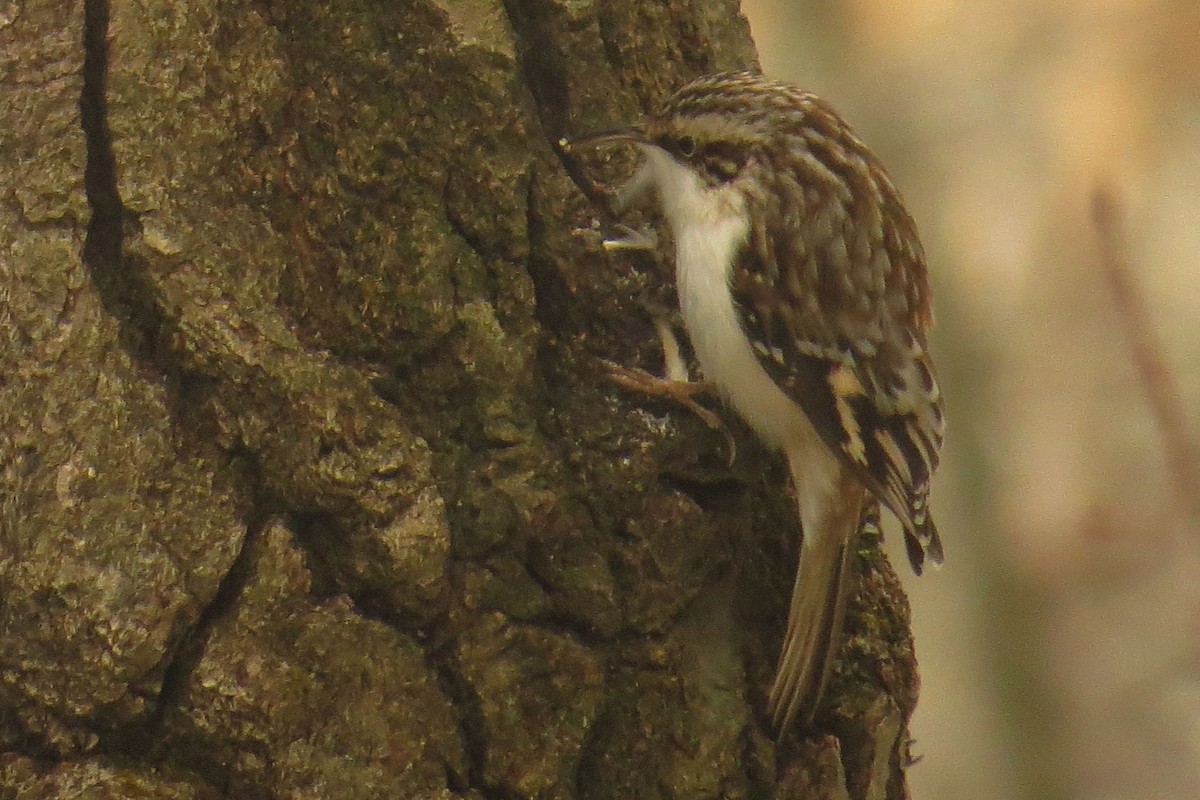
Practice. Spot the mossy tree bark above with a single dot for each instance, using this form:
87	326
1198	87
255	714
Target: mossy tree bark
312	484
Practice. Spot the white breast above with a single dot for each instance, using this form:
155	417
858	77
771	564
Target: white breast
710	226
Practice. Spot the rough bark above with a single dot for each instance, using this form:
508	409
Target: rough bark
312	486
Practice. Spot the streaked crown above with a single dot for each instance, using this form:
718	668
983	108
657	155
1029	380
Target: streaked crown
721	123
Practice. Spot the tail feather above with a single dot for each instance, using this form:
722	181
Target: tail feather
813	633
823	584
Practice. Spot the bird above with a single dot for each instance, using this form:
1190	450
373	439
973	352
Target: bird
804	293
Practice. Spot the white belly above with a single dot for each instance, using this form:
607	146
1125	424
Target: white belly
710	226
722	347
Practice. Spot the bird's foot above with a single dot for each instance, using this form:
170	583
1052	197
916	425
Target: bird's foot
682	392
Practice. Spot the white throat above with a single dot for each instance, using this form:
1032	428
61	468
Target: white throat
710	226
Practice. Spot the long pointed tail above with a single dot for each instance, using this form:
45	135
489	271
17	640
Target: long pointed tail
823	584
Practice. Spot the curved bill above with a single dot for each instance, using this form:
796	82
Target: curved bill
615	136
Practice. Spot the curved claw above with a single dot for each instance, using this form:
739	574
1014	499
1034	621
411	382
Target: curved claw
632	239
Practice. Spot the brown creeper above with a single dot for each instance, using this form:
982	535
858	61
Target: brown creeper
803	289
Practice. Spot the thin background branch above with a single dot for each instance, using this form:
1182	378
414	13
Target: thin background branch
1162	390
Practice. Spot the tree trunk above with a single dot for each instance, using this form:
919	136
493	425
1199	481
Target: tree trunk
312	483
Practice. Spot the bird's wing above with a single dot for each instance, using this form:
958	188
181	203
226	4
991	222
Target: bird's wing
837	309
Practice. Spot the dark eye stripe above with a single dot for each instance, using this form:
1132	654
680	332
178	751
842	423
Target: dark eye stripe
720	162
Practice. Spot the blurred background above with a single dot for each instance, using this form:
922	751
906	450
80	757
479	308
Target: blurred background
1060	645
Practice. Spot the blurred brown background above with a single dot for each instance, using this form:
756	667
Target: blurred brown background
1060	645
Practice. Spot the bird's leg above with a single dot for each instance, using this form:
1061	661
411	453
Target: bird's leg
629	193
676	385
635	189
